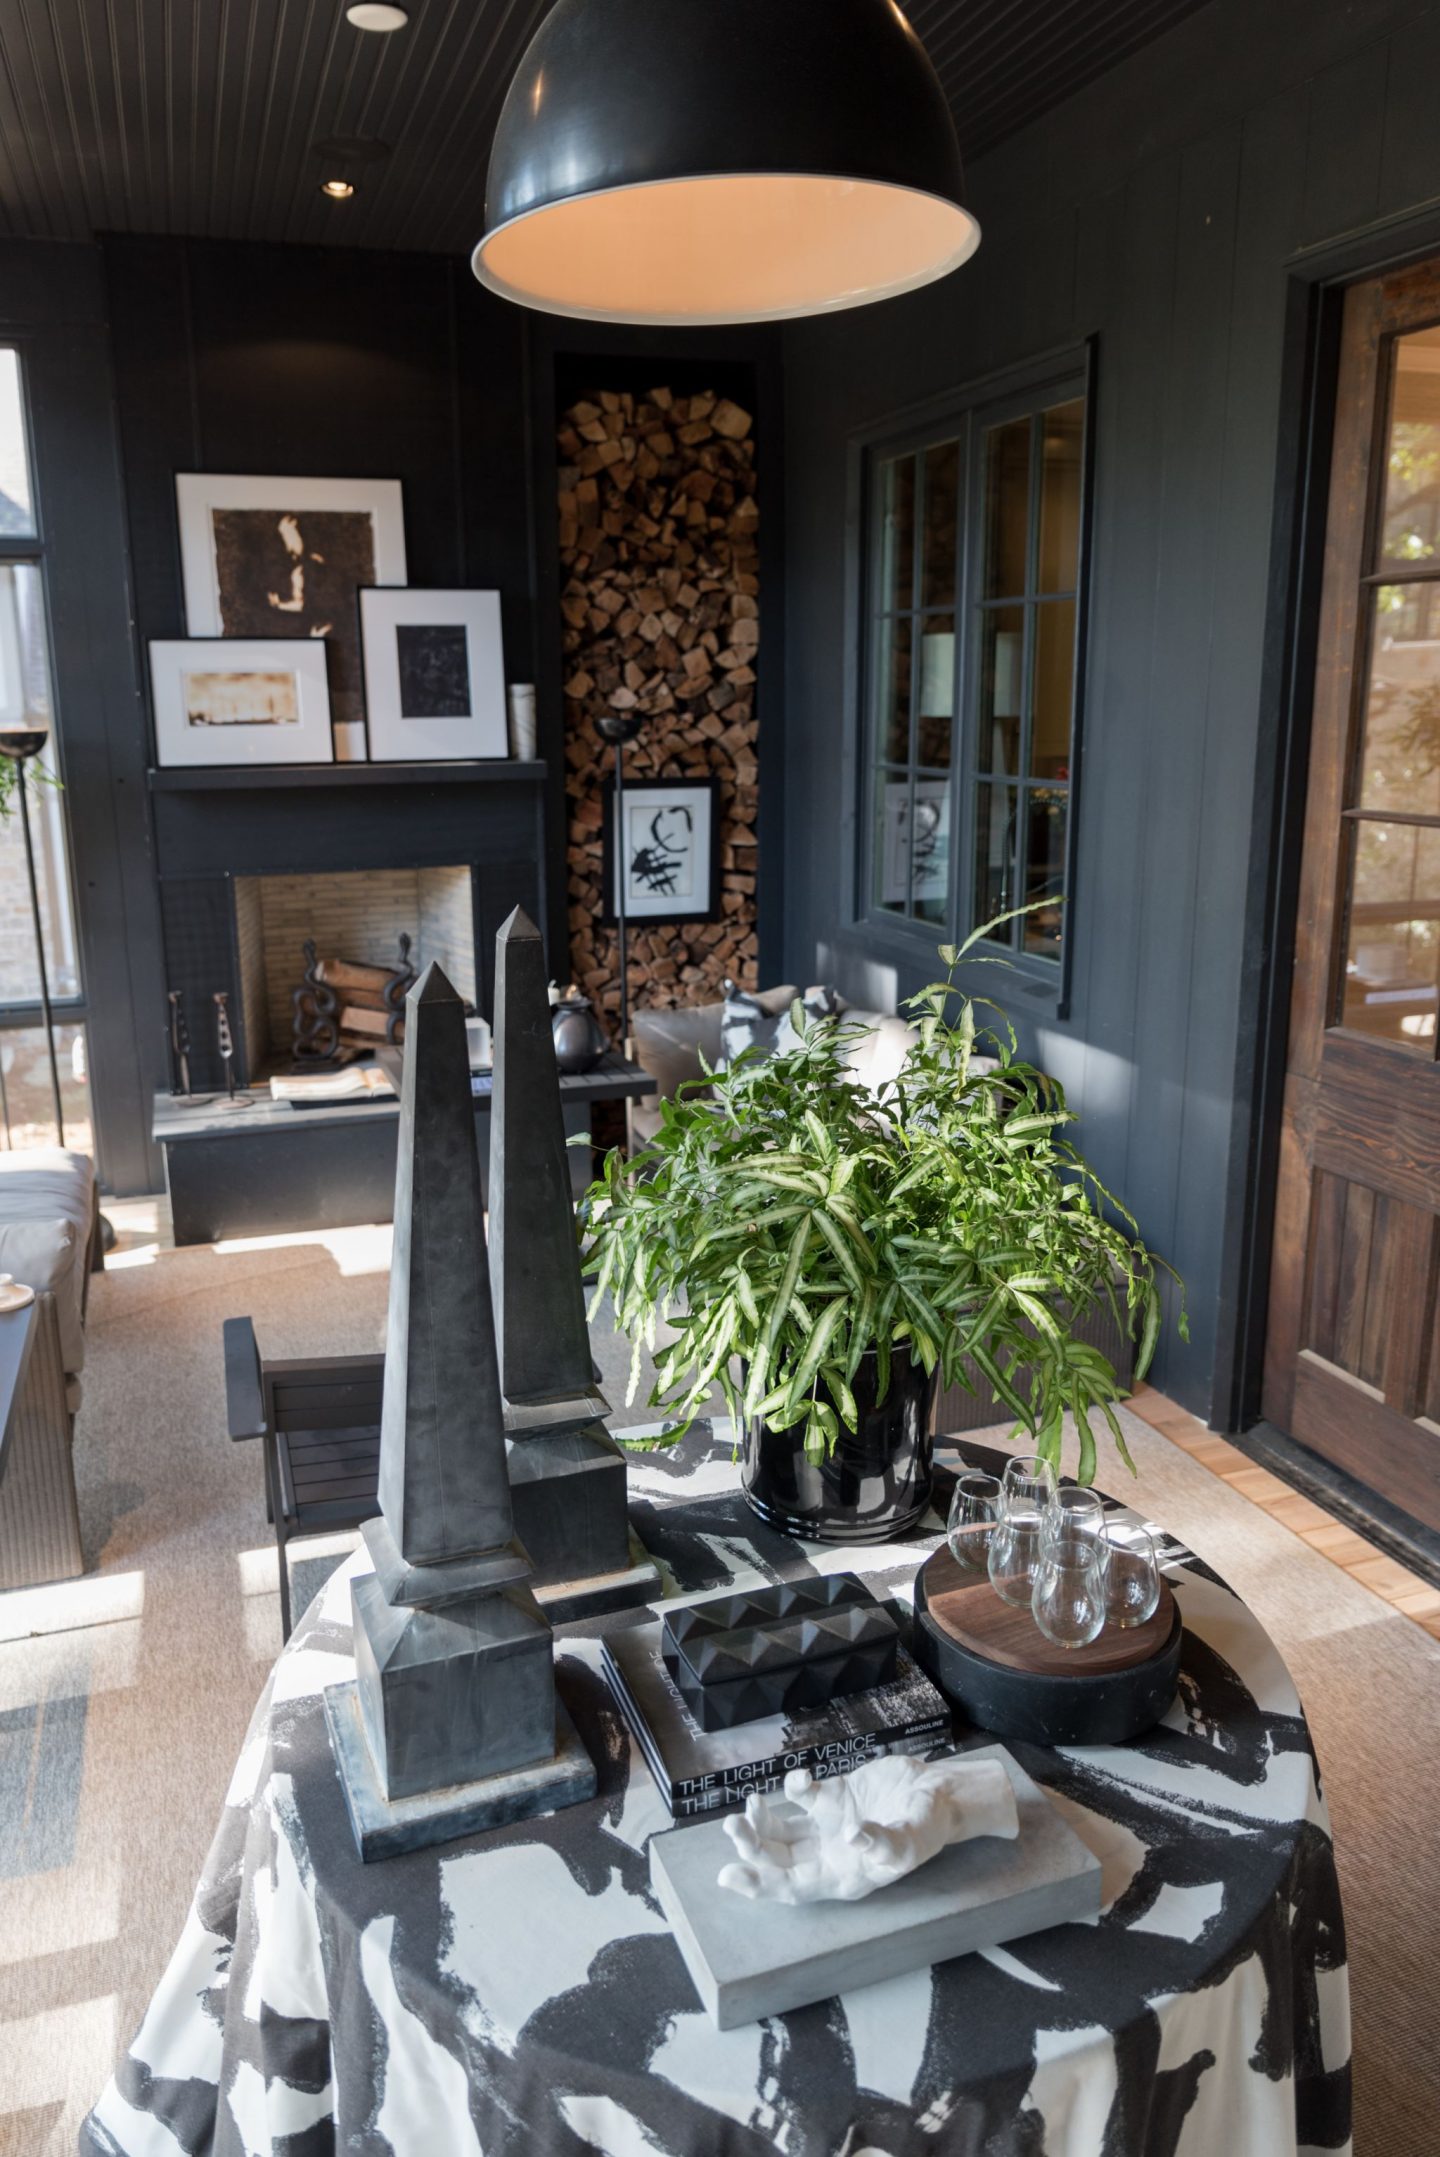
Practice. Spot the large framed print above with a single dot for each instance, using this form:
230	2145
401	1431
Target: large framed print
660	838
434	675
240	700
284	557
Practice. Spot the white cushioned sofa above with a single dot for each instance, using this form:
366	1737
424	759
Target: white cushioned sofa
49	1240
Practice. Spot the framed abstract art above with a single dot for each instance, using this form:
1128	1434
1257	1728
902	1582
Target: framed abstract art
285	557
434	675
240	700
662	842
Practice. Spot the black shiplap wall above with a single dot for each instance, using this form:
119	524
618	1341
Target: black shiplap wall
1165	210
233	358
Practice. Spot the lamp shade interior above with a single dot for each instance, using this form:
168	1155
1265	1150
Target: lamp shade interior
730	247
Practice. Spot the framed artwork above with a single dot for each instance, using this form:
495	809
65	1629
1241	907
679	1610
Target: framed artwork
923	851
434	675
280	557
663	845
240	700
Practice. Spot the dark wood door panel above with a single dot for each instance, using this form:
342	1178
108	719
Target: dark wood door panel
1352	1364
1349	1423
1376	1117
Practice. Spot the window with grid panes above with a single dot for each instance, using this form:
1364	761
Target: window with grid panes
973	598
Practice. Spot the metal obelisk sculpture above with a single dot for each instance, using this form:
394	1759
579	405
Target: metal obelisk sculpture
453	1721
567	1475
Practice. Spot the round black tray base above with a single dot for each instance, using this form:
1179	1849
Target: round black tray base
1103	1708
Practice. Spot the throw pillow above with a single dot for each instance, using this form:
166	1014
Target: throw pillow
821	1002
746	1023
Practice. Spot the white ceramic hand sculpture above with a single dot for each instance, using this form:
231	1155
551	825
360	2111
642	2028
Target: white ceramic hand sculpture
840	1839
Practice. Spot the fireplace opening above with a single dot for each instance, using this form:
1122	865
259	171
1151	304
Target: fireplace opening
357	916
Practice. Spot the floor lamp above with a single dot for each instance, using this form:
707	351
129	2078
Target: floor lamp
619	728
20	745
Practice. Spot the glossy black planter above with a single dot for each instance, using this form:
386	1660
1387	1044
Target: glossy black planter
876	1483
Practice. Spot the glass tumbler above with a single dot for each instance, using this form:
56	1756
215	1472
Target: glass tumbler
1068	1599
1132	1574
974	1510
1072	1507
1027	1487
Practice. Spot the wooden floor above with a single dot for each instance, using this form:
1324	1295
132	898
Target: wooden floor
1406	1591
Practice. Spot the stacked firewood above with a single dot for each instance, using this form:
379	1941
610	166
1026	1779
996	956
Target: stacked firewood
660	596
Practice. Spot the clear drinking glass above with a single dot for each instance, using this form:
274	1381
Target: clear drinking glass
1072	1507
974	1510
1132	1574
1068	1597
1027	1487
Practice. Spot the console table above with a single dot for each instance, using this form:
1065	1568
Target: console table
257	1167
518	1993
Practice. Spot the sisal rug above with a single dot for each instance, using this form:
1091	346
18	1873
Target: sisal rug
124	1696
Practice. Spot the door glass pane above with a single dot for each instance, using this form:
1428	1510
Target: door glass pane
1046	811
1002	651
1054	693
17	511
892	689
942	485
935	714
995	841
1391	972
891	854
1063	434
1400	754
1412	476
895	585
1007	508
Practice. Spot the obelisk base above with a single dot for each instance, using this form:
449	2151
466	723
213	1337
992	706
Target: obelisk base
568	1493
383	1827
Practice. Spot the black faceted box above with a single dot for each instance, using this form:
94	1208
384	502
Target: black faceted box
780	1650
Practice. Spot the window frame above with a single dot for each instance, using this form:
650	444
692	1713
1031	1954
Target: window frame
964	416
34	548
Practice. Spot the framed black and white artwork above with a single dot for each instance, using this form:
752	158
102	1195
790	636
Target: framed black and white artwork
240	700
284	557
662	844
434	675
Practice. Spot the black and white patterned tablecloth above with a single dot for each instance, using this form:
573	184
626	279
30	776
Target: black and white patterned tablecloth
519	1994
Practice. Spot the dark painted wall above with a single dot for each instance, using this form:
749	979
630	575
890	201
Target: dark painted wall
1167	210
316	361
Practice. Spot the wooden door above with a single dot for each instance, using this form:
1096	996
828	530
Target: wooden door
1352	1365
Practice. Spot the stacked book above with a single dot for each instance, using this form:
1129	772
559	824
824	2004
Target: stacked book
700	1771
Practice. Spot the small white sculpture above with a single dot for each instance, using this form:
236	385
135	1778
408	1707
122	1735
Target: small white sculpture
840	1839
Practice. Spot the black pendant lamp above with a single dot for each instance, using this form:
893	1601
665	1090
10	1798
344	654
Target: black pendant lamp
705	161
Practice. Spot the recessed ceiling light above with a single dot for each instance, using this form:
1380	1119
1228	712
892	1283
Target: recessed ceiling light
338	190
376	15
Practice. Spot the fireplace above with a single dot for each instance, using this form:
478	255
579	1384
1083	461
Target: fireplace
253	862
349	915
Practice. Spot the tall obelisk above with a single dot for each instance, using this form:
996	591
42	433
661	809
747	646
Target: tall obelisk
453	1721
567	1475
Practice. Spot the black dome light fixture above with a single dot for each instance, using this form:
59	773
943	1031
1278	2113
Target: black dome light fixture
709	161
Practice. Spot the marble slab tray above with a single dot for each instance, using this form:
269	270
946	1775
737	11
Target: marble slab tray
752	1959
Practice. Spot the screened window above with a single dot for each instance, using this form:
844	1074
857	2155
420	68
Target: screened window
27	1113
973	599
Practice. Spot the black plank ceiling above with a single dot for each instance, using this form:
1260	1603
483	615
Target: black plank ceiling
202	116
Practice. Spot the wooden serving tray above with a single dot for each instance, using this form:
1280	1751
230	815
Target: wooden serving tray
966	1609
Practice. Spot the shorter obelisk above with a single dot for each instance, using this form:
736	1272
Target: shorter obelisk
567	1475
452	1722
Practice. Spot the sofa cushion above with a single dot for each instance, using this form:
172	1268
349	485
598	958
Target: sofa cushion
47	1199
751	1020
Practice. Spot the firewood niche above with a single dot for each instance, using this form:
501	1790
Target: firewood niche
660	599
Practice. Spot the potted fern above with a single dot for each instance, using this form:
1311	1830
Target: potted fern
824	1254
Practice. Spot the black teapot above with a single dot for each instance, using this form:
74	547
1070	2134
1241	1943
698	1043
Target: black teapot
579	1037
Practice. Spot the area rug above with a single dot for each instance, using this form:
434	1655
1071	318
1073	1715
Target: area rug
124	1696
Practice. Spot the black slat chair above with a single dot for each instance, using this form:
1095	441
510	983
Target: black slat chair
319	1419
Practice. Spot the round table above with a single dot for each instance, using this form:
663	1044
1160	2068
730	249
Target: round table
519	1992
